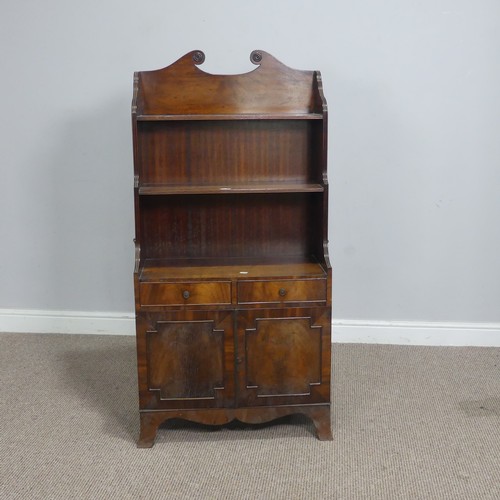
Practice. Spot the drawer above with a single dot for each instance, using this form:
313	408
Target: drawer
251	292
186	293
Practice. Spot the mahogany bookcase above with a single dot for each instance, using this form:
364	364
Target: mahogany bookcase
232	276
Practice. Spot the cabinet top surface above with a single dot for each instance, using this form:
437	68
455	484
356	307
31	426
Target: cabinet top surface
184	90
155	270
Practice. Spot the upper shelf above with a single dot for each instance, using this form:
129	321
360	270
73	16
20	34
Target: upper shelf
241	116
257	188
271	89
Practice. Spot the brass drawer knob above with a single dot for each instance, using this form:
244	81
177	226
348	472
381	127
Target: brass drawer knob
186	294
282	292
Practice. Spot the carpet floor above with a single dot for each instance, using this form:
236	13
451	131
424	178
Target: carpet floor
409	423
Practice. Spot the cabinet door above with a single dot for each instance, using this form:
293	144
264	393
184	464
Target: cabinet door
185	359
283	356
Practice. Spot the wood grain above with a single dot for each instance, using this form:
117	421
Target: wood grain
232	277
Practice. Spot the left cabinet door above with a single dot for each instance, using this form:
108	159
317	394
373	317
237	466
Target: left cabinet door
185	359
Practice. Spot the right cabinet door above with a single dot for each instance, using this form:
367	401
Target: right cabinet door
283	356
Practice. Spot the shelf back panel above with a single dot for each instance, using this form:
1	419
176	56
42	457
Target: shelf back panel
229	226
187	153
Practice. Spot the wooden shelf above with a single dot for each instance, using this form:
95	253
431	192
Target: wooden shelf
157	270
270	188
243	116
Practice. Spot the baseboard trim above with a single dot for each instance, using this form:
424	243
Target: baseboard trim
344	331
42	321
417	333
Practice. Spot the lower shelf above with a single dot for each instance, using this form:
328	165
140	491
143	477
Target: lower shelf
155	270
151	420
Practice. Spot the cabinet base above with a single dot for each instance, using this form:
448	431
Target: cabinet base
151	420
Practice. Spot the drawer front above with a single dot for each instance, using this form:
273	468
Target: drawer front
188	293
252	292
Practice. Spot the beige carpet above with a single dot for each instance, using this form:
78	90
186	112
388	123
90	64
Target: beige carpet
409	422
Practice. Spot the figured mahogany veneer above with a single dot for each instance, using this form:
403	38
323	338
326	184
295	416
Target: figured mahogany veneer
232	276
296	290
185	293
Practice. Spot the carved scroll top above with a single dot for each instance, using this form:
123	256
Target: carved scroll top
198	57
256	56
185	88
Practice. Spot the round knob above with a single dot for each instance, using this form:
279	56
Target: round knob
185	294
282	292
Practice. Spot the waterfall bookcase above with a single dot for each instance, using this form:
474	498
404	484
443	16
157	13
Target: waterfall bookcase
232	276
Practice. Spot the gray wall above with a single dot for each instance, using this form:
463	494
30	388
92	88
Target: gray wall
413	91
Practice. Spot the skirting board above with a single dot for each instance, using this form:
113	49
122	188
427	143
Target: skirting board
42	321
417	333
344	331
